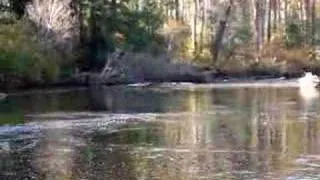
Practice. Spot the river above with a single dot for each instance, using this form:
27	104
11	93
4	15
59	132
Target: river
166	131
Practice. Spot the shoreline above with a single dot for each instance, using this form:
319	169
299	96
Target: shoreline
72	86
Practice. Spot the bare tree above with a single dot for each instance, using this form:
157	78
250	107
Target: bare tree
220	32
56	21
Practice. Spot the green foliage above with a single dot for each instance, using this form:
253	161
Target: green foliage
136	21
293	35
243	35
21	55
18	6
9	114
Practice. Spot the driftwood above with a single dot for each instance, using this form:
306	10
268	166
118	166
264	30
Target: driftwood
134	67
125	68
112	67
110	74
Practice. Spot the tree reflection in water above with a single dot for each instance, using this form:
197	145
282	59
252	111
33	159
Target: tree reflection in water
240	133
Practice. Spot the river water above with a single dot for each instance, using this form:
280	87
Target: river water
168	132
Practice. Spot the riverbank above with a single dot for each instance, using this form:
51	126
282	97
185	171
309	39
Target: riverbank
130	68
72	84
191	74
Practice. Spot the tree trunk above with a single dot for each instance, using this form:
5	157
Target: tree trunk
263	20
313	18
167	9
279	11
195	22
83	37
93	35
301	10
258	25
275	14
285	12
182	12
269	20
307	20
203	8
220	33
177	4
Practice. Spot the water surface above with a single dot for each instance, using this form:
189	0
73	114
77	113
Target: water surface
164	132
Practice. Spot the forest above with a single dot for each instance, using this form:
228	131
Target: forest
53	41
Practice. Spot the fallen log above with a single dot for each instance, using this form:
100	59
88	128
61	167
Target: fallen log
127	68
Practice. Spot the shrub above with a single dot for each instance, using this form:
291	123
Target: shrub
293	35
24	57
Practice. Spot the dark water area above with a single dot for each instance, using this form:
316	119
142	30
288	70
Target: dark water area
161	132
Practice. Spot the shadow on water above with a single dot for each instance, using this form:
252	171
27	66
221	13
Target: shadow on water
234	133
